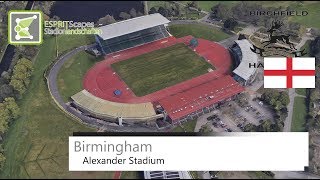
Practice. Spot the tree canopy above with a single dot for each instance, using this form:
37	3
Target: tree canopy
20	78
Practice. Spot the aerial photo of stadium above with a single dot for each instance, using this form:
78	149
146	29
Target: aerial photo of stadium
154	72
150	75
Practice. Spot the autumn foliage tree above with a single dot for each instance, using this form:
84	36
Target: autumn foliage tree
20	78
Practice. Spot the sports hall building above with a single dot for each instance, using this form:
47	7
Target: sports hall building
243	57
131	33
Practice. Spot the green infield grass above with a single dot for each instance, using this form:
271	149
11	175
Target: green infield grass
162	68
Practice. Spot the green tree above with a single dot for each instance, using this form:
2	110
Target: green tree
124	15
6	91
153	10
230	23
133	13
205	130
284	98
18	86
177	9
250	128
20	78
4	118
106	20
13	108
265	126
163	11
220	11
139	14
2	160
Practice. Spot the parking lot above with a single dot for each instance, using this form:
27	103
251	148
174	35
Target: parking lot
232	118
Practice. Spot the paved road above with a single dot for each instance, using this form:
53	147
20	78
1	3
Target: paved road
288	121
95	123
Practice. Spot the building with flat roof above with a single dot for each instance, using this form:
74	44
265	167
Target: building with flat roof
243	57
131	33
201	99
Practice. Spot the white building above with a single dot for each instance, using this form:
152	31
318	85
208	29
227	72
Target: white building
245	58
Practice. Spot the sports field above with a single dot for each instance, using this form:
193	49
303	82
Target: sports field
162	68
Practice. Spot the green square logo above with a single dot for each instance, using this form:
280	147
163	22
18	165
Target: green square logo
25	27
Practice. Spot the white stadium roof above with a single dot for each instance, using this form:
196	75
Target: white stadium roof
132	25
248	56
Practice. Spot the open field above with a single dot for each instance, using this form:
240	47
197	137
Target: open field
299	115
36	145
197	31
301	91
67	42
71	74
159	69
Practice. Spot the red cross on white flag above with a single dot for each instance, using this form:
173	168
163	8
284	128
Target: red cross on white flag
296	72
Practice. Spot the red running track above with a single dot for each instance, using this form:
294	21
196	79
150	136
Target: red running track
101	80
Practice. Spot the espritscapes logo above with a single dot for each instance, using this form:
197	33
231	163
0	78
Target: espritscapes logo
25	27
70	27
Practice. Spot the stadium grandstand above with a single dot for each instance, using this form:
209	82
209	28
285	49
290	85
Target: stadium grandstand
131	33
243	56
201	99
108	110
167	175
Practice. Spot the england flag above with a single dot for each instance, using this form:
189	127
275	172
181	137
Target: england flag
290	72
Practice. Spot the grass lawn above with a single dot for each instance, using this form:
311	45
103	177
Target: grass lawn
159	69
301	91
71	74
178	129
198	31
299	115
188	126
36	145
67	42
